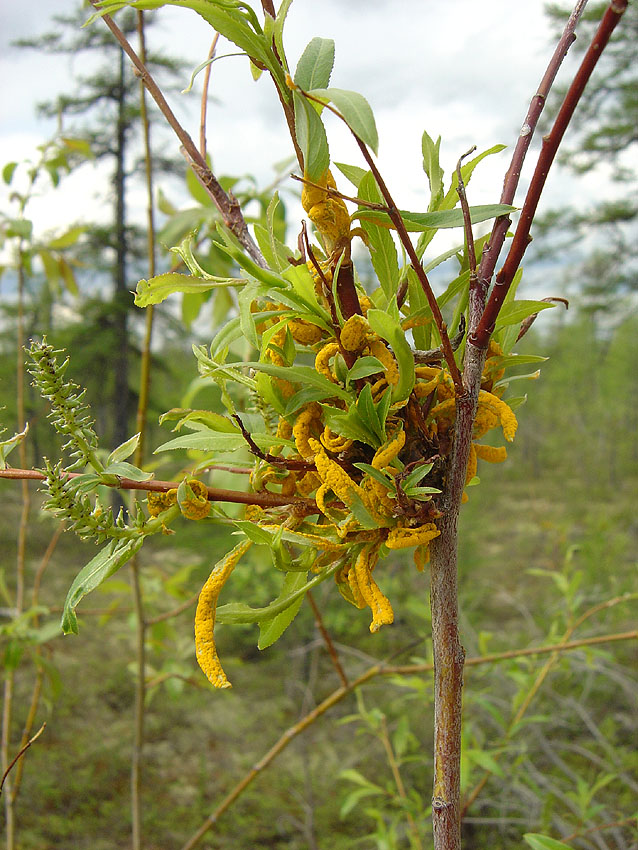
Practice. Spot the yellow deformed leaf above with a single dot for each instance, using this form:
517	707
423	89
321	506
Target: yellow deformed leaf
205	648
402	538
379	604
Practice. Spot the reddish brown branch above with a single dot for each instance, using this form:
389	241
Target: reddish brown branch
215	494
499	231
546	157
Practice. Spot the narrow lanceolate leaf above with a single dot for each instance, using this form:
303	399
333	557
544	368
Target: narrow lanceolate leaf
391	331
356	111
235	613
303	375
432	168
105	563
315	65
157	289
272	628
124	450
516	311
311	138
384	253
435	220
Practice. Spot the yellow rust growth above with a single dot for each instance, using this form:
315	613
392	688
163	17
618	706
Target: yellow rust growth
502	410
334	477
329	214
308	420
492	454
389	451
421	557
196	506
304	332
335	442
356	333
158	502
379	604
205	649
323	358
403	538
379	349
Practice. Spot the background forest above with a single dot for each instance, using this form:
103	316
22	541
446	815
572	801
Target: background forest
548	546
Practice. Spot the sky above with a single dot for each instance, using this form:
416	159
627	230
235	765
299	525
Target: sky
465	70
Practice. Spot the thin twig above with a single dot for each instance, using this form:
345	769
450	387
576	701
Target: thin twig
467	220
168	615
215	494
335	193
225	203
601	827
202	115
546	157
137	749
499	231
340	693
21	752
327	639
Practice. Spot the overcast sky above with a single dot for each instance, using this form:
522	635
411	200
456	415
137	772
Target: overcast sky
464	70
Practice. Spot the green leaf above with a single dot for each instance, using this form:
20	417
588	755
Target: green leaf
67	239
544	842
301	375
363	367
356	112
311	138
271	630
383	252
451	198
416	475
68	277
353	173
124	450
378	475
235	613
8	171
269	278
105	563
212	420
514	312
432	168
349	424
158	288
435	220
7	446
123	469
486	761
21	227
391	331
253	532
278	30
315	65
